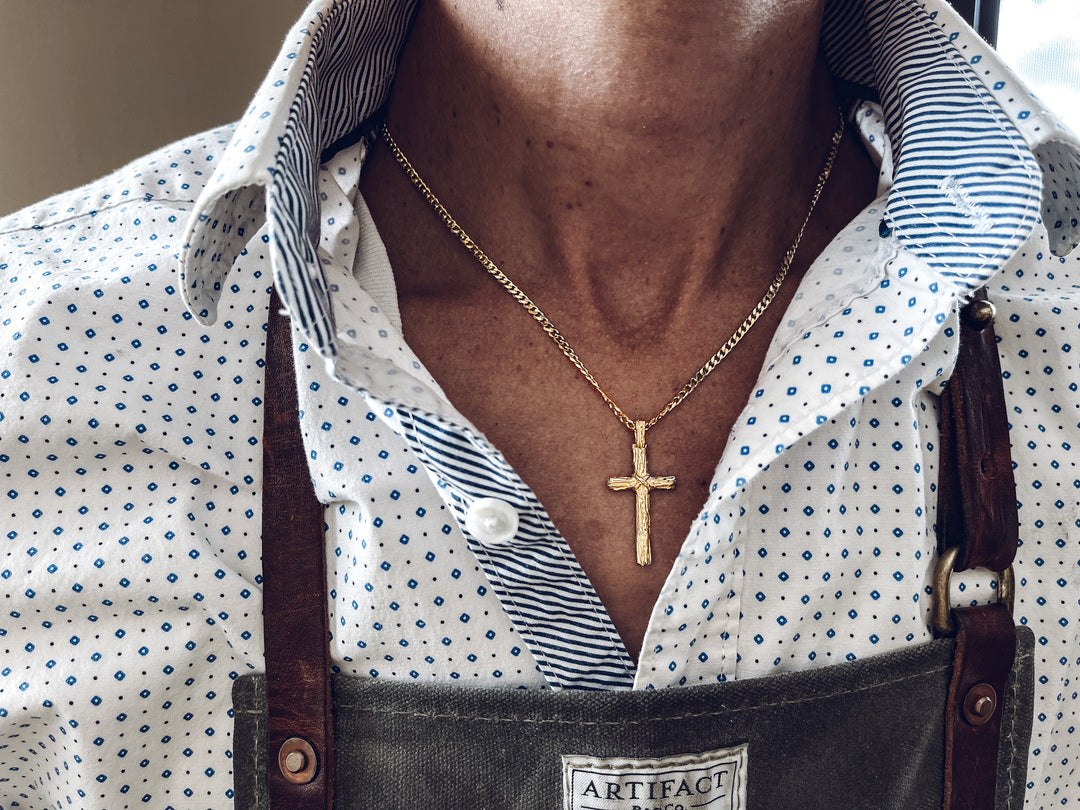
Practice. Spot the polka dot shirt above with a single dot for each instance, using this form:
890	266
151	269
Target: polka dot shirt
132	315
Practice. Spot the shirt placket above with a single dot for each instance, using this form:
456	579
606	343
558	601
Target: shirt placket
539	582
528	564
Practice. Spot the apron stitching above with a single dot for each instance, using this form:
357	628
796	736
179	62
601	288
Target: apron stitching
665	719
1011	769
260	734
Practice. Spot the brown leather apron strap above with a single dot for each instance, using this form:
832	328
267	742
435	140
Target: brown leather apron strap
977	494
300	733
985	648
977	528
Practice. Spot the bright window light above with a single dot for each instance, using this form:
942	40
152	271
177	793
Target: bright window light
1040	39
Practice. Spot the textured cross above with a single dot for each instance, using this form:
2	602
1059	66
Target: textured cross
641	482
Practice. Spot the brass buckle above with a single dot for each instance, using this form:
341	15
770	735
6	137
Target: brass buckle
940	607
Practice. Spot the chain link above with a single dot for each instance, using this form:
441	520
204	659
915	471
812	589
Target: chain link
557	337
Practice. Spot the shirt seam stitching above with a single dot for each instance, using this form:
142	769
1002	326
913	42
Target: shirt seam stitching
91	213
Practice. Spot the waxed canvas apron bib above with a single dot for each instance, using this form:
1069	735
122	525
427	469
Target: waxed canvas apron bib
945	723
866	734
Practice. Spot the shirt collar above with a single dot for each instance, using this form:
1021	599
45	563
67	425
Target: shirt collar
332	74
967	188
967	136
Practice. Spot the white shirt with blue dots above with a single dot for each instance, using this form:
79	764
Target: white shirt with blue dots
132	317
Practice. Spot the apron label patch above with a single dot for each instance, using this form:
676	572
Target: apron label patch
715	780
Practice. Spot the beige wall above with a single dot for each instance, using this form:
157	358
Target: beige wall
87	85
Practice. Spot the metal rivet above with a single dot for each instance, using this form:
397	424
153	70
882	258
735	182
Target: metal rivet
297	760
980	704
978	315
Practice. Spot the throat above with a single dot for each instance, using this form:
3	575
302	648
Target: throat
574	141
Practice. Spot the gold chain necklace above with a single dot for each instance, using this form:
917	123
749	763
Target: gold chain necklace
641	482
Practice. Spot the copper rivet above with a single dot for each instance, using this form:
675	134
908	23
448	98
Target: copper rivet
980	704
978	314
297	760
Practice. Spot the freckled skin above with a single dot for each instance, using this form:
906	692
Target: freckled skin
680	145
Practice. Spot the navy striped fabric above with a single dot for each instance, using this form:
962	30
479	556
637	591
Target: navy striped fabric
539	583
346	80
965	217
348	54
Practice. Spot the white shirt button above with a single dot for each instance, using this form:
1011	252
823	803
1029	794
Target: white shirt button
492	521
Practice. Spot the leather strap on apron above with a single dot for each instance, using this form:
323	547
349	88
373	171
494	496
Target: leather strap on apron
976	491
790	721
977	528
300	723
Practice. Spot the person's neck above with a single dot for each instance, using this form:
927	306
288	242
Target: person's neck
605	146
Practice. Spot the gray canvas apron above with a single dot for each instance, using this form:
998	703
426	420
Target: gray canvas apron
865	734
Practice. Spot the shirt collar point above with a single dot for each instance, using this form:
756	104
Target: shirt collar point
225	218
1059	159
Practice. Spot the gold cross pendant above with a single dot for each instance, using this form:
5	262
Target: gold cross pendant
641	482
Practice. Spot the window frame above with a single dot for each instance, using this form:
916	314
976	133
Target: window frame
982	15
